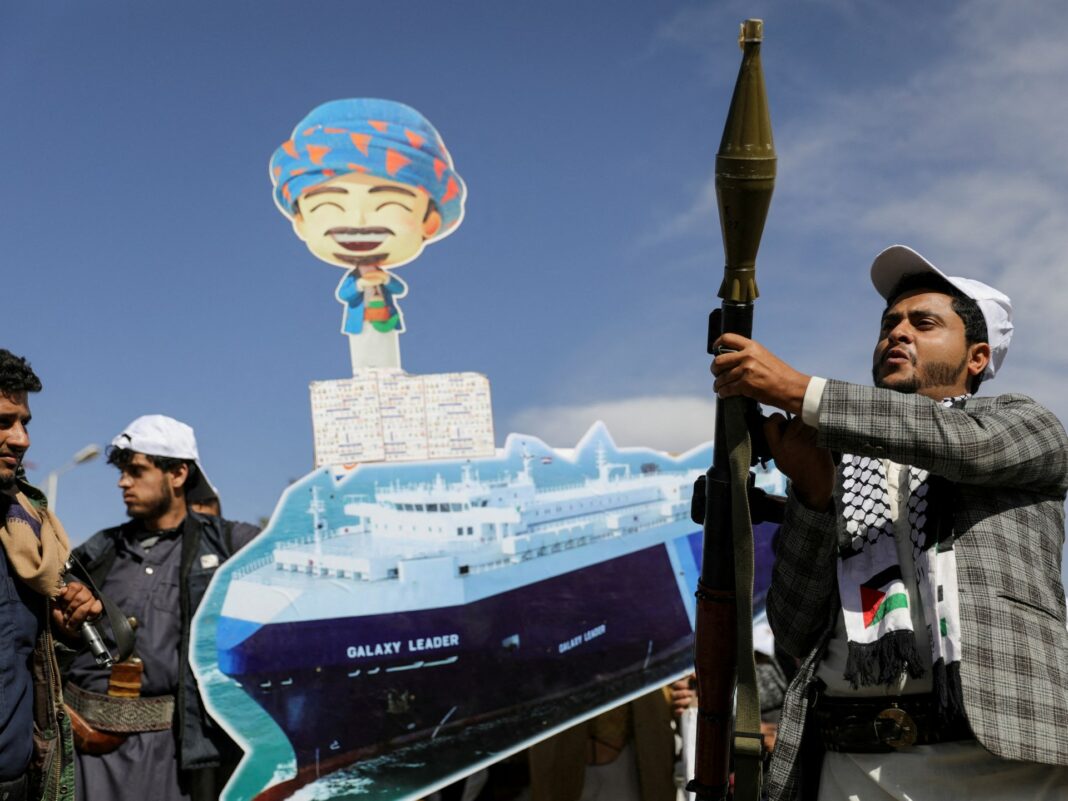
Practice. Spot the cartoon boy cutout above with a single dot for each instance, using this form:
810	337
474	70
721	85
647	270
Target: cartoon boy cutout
367	183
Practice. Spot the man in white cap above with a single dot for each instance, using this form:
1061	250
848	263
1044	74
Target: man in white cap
156	741
918	571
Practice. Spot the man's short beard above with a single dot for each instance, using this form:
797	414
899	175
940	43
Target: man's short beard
936	374
158	510
8	482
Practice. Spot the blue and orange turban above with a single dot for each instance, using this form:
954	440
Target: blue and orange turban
378	137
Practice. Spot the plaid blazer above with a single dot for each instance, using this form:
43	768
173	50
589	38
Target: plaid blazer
1008	459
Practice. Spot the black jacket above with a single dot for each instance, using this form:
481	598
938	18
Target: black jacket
201	741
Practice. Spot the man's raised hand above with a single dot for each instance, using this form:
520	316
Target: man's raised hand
753	371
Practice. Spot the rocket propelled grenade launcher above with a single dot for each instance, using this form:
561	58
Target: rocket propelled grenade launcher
745	172
745	177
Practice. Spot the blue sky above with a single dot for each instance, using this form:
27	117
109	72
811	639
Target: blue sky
146	268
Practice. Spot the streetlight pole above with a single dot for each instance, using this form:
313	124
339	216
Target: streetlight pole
86	454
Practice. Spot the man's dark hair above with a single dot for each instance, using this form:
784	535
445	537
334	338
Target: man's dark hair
121	457
16	375
965	307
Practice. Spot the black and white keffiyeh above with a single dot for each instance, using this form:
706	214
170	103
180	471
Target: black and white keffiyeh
876	601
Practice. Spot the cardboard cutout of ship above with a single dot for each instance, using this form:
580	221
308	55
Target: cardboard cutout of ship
422	605
398	626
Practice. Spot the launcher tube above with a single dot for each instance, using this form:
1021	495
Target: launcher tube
745	178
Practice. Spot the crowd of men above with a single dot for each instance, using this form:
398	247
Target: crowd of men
71	727
917	583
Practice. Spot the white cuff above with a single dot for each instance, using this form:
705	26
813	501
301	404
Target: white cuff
810	406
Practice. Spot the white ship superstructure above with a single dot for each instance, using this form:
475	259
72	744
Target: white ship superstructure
484	524
438	543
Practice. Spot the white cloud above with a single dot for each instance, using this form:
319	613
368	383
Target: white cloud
692	26
964	157
961	155
695	219
673	423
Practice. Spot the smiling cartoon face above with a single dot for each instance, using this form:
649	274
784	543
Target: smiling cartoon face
357	220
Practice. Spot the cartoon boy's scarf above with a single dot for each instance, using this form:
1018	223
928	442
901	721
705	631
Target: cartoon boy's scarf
875	600
35	542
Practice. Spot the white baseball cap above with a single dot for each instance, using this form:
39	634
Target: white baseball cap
897	261
159	435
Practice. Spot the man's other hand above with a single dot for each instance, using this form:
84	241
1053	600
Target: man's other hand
810	467
753	371
683	695
771	734
73	606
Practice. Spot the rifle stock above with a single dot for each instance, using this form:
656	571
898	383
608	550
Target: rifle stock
745	177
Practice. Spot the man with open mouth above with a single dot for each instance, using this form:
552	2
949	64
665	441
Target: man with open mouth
917	573
367	183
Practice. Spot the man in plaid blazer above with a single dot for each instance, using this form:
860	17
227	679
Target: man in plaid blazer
969	493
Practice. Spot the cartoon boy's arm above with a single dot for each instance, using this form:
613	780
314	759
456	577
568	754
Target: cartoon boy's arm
348	292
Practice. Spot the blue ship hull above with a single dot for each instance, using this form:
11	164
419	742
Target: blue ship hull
356	686
347	688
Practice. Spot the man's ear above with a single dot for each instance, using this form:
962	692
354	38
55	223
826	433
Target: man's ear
978	358
431	225
179	476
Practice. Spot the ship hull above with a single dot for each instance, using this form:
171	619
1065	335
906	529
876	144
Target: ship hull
353	686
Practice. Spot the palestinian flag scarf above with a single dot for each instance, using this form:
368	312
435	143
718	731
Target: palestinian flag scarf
876	601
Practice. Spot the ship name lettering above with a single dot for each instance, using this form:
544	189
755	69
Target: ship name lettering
430	643
578	639
596	631
377	649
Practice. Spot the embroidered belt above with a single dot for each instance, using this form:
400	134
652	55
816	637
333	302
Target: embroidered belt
884	724
121	715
